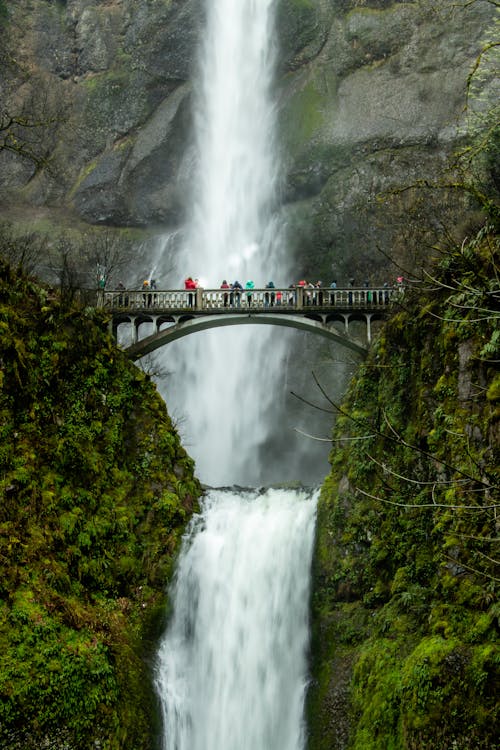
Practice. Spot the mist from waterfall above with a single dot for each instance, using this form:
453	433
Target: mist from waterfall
224	382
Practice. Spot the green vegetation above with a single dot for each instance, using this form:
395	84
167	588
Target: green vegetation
407	550
95	492
304	117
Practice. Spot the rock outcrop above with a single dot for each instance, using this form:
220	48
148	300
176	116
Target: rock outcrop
373	102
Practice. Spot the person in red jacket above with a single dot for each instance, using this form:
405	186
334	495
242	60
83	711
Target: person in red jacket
225	285
190	284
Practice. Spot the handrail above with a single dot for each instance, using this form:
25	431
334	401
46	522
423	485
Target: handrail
240	300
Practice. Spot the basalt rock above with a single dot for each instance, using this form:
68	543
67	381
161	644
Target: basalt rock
370	95
374	109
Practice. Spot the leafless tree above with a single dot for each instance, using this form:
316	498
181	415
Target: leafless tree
22	251
31	110
106	256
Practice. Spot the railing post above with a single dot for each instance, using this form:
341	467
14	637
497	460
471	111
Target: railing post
299	291
199	298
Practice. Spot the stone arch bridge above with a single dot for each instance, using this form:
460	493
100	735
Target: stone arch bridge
177	313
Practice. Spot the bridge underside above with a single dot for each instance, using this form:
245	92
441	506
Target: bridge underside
188	325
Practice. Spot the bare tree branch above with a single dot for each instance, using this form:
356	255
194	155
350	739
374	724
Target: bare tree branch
479	508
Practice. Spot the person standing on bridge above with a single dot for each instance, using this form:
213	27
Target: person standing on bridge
269	297
310	298
235	295
190	284
349	294
318	296
386	292
225	285
366	285
146	297
249	286
153	287
333	286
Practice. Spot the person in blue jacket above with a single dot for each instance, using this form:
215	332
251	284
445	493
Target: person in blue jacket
235	296
269	296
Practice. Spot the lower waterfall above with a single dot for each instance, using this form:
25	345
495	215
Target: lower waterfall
232	668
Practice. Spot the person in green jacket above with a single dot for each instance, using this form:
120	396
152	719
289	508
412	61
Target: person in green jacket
249	285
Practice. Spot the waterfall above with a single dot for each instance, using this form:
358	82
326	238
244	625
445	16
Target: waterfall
231	233
229	377
231	669
232	664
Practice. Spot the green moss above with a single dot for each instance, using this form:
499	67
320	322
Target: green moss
304	117
95	492
405	524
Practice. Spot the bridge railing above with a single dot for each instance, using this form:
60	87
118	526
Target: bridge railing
211	300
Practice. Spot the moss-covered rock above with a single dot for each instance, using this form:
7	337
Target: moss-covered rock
405	567
95	492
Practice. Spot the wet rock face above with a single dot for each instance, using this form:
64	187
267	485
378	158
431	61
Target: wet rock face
122	73
370	94
373	109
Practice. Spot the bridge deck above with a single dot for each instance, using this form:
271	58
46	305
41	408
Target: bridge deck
220	301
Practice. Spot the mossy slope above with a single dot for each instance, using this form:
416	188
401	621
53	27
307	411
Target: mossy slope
95	491
405	609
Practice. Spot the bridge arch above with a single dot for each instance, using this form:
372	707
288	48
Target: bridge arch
186	324
318	311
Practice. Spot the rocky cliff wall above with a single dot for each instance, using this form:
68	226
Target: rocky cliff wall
371	97
404	604
115	78
374	98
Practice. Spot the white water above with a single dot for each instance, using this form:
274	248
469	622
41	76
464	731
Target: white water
231	234
225	381
232	664
231	671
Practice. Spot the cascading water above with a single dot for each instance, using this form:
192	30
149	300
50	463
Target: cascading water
230	234
233	662
227	377
231	671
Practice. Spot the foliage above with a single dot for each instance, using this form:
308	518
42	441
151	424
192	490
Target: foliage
95	492
408	517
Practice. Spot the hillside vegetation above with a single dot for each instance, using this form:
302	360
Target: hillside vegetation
405	603
95	490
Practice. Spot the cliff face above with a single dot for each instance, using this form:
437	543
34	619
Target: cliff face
370	97
405	607
374	96
115	79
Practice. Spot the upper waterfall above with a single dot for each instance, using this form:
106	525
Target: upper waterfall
225	382
231	234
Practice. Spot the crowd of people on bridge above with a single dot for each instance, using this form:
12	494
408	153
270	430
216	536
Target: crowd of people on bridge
313	293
